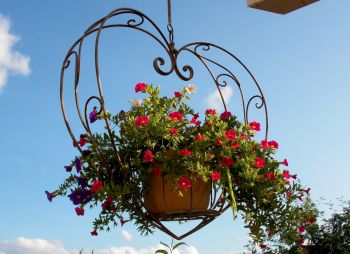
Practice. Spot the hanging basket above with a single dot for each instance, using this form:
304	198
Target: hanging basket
279	6
163	199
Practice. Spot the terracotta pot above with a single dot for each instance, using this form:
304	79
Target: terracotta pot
162	196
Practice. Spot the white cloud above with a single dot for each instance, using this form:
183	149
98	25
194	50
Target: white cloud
10	61
23	245
214	99
126	235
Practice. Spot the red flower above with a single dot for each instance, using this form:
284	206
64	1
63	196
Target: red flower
226	162
148	156
235	145
173	131
294	176
200	137
288	193
215	176
273	144
218	142
184	183
255	126
210	112
185	153
195	116
94	233
175	116
140	87
264	144
263	246
270	176
244	137
286	174
141	121
79	211
96	186
284	162
157	171
194	121
82	141
301	230
178	94
301	241
312	219
122	221
259	162
230	134
225	115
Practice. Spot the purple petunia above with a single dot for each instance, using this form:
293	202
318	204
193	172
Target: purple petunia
77	163
79	197
93	116
68	168
50	195
82	182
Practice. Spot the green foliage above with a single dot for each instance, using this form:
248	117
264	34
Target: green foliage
169	249
165	134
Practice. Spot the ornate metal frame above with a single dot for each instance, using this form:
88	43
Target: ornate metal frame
137	21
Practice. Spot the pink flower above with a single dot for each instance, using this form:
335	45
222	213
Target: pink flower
230	134
259	162
284	162
255	126
178	94
148	156
96	186
225	115
286	174
235	145
79	211
301	230
184	183
173	131
185	153
140	87
264	144
226	162
270	176
215	176
210	112
273	144
141	121
200	137
194	121
175	116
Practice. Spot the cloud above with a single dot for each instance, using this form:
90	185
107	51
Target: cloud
126	235
10	61
214	99
23	245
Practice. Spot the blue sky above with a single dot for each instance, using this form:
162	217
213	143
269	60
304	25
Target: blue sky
301	60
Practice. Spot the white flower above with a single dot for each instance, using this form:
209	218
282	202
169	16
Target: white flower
136	103
191	88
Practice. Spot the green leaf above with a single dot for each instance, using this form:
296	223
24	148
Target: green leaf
162	251
165	244
178	245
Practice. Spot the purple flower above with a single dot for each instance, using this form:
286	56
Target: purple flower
77	164
79	197
86	153
50	195
68	168
93	115
82	182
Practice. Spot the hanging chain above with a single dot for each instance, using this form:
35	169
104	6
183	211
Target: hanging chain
170	29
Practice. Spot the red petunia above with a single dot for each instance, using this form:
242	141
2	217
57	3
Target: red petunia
301	241
82	141
79	211
185	153
157	171
273	144
148	156
235	145
286	174
200	137
225	115
263	246
194	121
288	193
312	219
94	233
270	176
184	183
140	87
244	137
173	131
96	186
255	126
178	94
218	142
226	162
141	121
175	116
259	162
301	230
264	144
210	112
215	176
294	176
230	134
284	162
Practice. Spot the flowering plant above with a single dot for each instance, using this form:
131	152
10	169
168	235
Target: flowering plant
163	136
